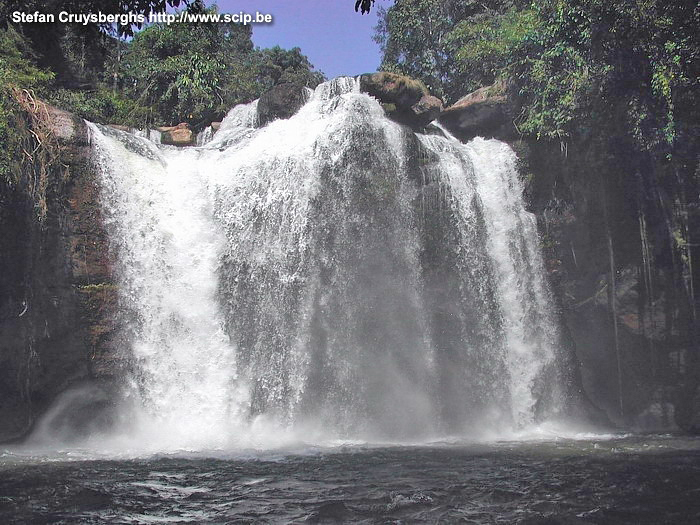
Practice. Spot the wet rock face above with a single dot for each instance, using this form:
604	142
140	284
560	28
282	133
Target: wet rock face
585	205
687	408
280	102
391	88
57	303
482	113
404	99
180	135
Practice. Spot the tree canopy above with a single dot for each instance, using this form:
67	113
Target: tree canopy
279	66
570	64
418	38
190	72
196	72
139	7
168	73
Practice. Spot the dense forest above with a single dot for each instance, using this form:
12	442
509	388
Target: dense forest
601	99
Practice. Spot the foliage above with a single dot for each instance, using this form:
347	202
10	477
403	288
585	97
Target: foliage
137	7
588	60
483	44
628	69
17	71
9	139
17	63
417	39
166	74
102	105
278	66
190	72
412	38
75	53
196	72
28	148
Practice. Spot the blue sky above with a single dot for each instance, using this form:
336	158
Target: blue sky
337	40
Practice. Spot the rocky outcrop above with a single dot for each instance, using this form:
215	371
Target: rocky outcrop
180	135
404	99
392	88
281	102
483	113
57	299
427	109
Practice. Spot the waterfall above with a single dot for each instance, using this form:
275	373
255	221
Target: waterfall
333	272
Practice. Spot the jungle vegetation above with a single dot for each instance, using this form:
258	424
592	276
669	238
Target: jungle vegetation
156	75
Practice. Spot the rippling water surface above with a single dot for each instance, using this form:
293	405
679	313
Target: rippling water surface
643	479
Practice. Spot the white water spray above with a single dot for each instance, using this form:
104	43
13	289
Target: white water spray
332	272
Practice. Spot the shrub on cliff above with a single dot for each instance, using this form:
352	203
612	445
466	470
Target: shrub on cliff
18	71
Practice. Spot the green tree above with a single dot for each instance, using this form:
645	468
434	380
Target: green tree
196	72
18	70
416	40
76	52
483	44
277	66
190	72
142	7
582	61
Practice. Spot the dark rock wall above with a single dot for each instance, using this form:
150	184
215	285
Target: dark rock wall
57	301
623	282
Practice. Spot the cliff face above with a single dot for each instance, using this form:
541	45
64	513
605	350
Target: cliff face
57	300
617	249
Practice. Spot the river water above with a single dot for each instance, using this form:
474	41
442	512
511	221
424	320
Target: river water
608	479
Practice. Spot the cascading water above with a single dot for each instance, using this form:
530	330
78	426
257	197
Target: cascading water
333	272
159	216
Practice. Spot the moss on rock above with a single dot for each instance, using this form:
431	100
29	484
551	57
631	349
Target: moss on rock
404	99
